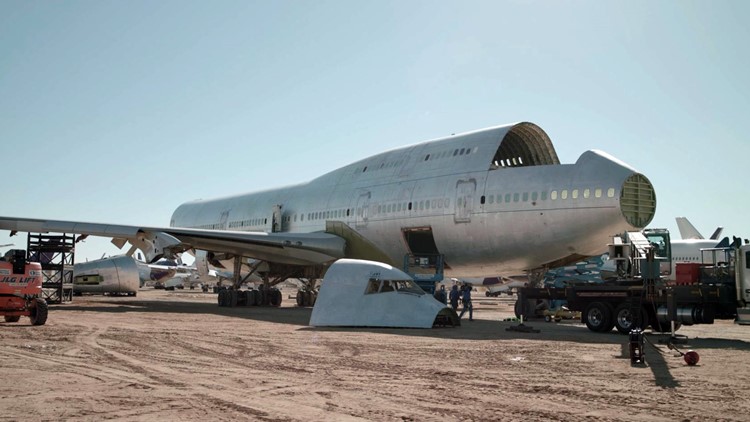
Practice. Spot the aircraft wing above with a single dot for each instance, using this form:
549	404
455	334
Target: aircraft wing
156	242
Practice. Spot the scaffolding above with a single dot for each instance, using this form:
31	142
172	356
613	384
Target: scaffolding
56	253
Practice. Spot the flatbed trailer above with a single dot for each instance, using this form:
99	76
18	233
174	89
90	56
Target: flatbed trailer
719	289
631	305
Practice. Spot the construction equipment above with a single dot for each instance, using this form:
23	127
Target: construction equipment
21	288
636	296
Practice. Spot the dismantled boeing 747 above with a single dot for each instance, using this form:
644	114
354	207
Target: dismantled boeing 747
492	201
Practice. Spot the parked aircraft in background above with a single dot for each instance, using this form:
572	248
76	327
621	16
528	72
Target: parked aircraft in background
689	248
688	231
171	274
685	250
114	275
491	201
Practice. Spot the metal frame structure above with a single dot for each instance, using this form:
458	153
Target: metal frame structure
56	253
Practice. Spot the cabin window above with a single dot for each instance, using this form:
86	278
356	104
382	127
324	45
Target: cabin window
373	286
553	195
409	206
427	157
387	286
534	196
575	193
455	153
492	199
447	202
516	197
507	197
586	193
482	200
408	286
598	193
525	196
427	205
364	170
564	194
611	192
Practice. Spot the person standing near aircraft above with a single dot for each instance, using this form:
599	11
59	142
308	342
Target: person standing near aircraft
454	297
466	299
441	295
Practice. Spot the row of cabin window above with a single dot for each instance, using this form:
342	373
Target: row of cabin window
447	153
248	223
381	167
443	154
553	195
420	206
423	205
324	215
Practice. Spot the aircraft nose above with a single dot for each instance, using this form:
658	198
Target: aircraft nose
637	200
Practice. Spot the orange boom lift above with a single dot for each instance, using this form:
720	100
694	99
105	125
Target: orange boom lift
21	288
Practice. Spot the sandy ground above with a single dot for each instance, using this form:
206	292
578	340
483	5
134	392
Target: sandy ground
178	356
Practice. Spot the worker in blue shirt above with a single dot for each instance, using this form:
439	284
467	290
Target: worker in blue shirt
454	295
466	299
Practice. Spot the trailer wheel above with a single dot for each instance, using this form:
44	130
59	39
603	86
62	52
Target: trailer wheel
599	317
12	318
38	313
624	321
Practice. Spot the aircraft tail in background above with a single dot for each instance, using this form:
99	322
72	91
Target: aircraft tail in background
688	231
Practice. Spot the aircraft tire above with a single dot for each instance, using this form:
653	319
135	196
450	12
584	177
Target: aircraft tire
222	297
39	312
250	295
274	298
260	297
300	298
313	297
309	298
599	317
12	318
233	296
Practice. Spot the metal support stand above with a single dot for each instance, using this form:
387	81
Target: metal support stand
56	254
637	355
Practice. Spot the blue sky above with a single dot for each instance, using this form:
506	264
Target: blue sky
119	111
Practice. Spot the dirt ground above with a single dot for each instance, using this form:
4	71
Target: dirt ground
178	356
